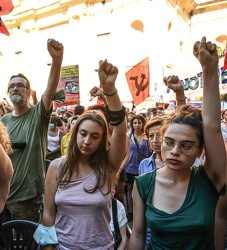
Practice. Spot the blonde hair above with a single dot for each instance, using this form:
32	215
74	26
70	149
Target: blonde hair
4	138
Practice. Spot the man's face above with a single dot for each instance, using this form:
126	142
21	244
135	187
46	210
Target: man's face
18	90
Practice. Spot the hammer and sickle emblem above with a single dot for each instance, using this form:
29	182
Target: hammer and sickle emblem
140	87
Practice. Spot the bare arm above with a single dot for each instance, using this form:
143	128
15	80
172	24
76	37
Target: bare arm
139	229
50	210
127	154
8	104
56	51
215	163
107	75
174	83
58	150
122	245
6	170
96	91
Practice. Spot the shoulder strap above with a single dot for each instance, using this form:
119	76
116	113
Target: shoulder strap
138	149
115	219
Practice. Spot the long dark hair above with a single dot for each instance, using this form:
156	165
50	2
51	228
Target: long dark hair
98	159
139	118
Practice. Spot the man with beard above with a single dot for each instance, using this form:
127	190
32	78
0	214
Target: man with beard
27	127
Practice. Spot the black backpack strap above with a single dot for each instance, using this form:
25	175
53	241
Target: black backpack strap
2	242
115	220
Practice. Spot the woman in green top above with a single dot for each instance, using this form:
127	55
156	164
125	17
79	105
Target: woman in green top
178	201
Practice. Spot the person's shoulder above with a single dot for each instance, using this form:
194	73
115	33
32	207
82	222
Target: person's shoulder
6	117
145	161
119	204
55	164
146	176
66	135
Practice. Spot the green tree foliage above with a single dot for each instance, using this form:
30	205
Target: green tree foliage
221	50
224	97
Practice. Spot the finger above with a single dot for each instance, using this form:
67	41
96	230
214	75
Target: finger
208	45
170	79
93	90
213	47
165	79
108	68
102	64
175	79
113	70
203	41
196	47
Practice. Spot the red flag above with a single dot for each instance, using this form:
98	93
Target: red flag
3	28
225	58
138	79
6	7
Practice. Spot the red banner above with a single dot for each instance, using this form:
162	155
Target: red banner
138	79
69	81
225	59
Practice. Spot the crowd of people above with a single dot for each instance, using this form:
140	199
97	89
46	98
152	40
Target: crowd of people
167	173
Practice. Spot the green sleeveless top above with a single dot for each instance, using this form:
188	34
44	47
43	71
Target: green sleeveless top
190	227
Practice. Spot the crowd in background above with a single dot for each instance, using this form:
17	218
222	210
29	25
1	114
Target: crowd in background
162	169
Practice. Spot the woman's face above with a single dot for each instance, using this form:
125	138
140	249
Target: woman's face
89	137
154	138
225	115
72	125
137	125
186	136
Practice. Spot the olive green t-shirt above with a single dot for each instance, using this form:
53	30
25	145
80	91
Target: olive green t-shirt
192	226
28	163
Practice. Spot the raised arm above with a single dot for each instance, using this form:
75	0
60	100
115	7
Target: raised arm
56	51
96	91
174	83
6	170
107	76
215	163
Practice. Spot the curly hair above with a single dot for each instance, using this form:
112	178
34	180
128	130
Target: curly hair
4	138
155	121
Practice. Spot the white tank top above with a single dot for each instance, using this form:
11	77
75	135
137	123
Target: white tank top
53	142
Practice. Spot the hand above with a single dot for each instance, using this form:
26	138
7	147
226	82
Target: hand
33	92
107	76
96	91
174	83
206	53
116	179
55	49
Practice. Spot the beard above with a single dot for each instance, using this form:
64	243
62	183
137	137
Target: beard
17	99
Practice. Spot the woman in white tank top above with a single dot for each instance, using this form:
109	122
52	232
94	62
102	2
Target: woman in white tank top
54	137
